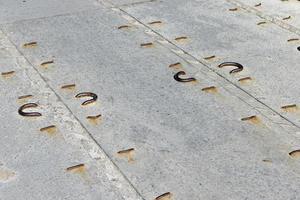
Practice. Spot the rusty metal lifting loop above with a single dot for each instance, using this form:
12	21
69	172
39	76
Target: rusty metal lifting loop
87	94
29	114
235	64
177	78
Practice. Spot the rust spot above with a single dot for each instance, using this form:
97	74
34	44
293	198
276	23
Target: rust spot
295	154
257	5
128	154
124	27
209	57
25	96
81	171
6	174
76	169
233	9
165	196
45	64
261	23
286	18
267	161
252	119
147	45
181	39
30	45
23	99
290	108
245	80
51	130
293	39
94	119
211	89
8	74
68	87
176	65
155	23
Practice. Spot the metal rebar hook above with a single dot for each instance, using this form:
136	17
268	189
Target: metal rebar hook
177	78
87	94
234	64
29	114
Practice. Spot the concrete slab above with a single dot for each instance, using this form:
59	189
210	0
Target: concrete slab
211	28
51	156
284	11
16	10
125	2
165	136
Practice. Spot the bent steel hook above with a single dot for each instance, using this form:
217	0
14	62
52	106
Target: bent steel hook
177	78
29	114
234	64
87	94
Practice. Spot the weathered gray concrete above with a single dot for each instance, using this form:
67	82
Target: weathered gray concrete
125	2
33	163
284	11
17	10
233	36
186	141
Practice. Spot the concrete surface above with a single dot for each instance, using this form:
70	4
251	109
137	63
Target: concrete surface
34	163
15	10
284	11
232	37
180	138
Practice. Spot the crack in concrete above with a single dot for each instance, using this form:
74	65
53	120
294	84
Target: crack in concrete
135	3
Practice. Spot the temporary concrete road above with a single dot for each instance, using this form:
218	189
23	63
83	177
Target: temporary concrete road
127	99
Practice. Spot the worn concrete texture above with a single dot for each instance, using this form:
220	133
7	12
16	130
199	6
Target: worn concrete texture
284	11
230	36
15	10
147	135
